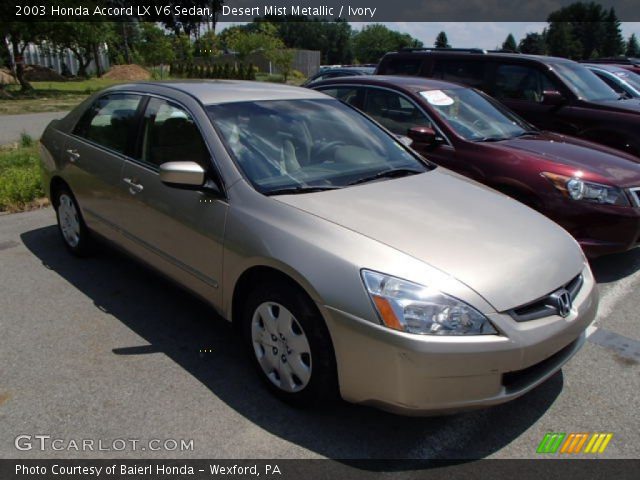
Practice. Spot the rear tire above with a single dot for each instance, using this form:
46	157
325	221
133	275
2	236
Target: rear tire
290	344
73	231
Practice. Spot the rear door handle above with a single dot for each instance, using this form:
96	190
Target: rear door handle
73	155
133	186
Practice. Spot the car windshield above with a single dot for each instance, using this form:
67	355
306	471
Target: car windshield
473	116
584	83
631	78
306	145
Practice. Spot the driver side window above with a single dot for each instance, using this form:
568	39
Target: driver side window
394	111
170	134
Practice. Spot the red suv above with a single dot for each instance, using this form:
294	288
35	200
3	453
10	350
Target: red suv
551	93
591	190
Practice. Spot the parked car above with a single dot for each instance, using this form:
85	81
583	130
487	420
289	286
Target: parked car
349	262
629	63
589	189
624	82
553	94
339	72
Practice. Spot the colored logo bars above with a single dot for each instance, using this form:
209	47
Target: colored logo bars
574	443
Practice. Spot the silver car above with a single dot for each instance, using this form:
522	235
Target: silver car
353	266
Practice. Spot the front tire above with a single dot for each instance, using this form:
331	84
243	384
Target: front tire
71	226
290	344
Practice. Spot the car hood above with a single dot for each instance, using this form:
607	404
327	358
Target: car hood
628	105
614	166
506	252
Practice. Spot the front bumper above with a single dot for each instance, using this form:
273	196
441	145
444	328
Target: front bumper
420	375
600	229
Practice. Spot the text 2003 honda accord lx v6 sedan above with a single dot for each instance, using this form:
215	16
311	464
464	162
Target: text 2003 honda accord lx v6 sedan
352	265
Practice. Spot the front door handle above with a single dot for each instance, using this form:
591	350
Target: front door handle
133	186
73	155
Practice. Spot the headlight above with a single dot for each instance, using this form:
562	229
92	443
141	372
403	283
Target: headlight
414	308
578	189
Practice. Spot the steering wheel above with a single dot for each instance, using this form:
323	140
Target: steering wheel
326	147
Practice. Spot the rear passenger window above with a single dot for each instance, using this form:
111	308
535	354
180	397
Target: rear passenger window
110	121
170	135
520	82
402	66
469	73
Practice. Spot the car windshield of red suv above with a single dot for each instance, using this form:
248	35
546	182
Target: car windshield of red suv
474	117
584	83
631	78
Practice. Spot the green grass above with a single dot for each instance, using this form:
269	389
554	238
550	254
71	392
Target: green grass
20	184
51	96
60	96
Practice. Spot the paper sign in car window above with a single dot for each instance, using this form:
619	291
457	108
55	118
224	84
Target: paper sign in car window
437	98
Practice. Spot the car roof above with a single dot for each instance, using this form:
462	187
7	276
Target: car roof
413	84
479	54
210	92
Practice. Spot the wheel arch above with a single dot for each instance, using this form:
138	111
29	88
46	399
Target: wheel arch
55	185
264	271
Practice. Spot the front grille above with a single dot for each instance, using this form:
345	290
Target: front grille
520	379
545	307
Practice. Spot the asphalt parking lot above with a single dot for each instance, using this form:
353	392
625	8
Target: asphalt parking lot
103	348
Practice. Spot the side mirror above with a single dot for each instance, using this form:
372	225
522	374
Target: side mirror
552	98
182	174
424	136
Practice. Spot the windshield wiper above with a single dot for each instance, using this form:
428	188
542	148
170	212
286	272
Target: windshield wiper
529	132
301	189
491	139
391	173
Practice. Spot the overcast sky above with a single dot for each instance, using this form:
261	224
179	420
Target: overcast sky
470	34
479	34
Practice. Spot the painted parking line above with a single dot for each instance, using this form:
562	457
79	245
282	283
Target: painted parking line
623	346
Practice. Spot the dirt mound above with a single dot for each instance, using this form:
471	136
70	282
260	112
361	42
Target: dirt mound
6	77
131	72
37	73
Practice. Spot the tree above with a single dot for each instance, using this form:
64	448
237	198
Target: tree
633	49
332	39
613	44
245	42
207	45
533	44
510	44
282	58
189	24
373	41
155	47
593	30
83	39
18	35
442	41
561	41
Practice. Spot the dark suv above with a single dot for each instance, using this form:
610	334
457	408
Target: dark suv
552	93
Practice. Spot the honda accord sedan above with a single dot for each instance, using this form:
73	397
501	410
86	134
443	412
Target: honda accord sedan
352	266
590	189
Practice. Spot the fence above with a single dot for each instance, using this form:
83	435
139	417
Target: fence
54	59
